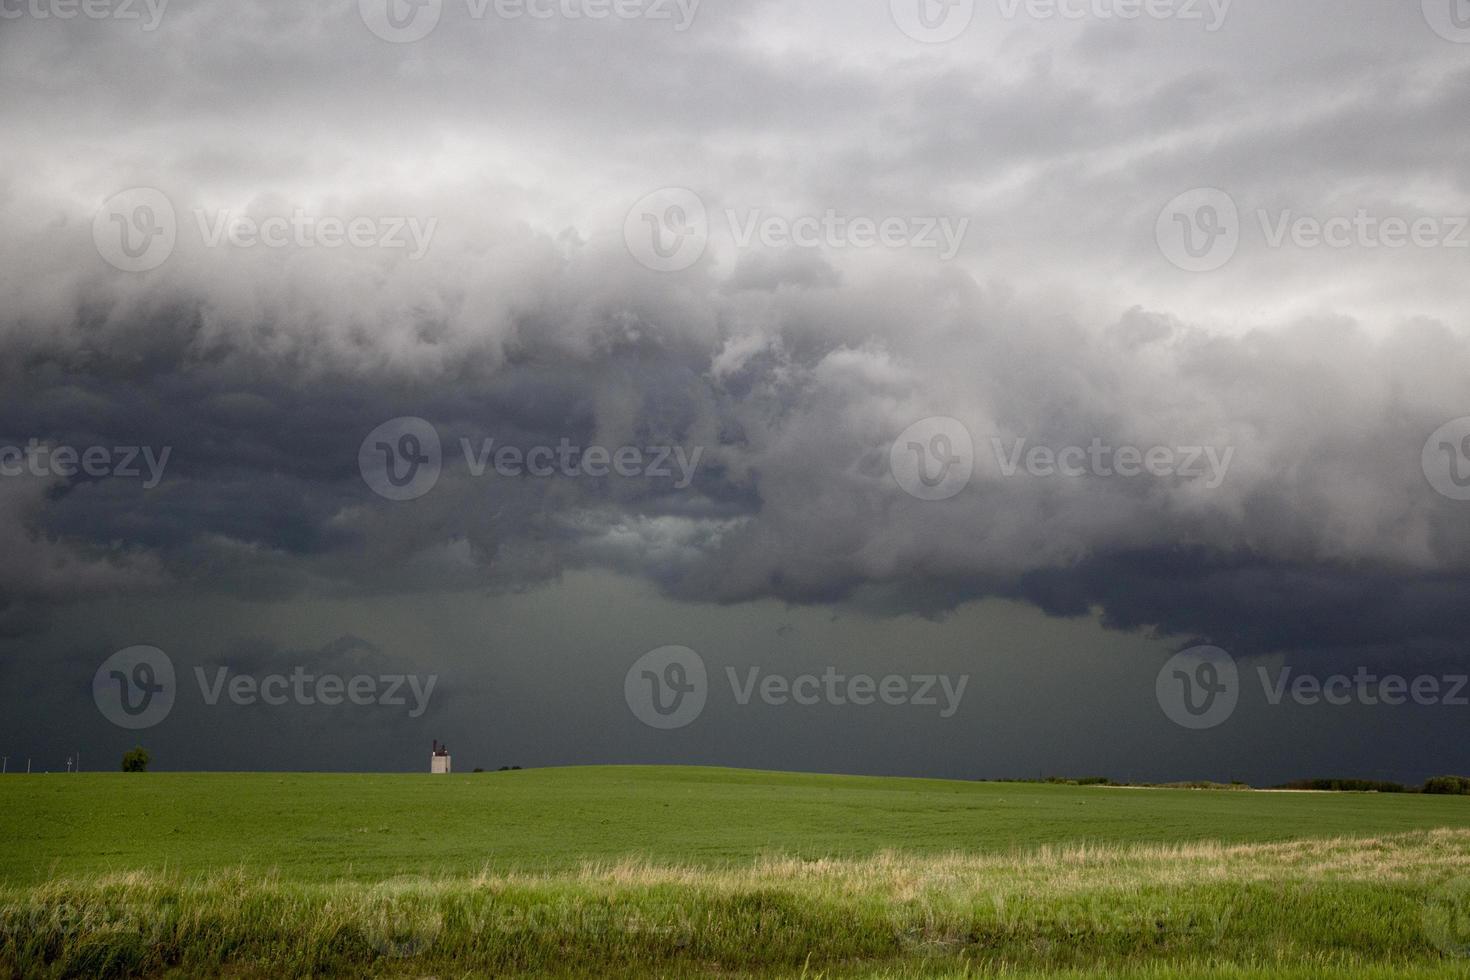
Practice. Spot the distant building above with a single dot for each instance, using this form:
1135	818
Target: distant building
439	761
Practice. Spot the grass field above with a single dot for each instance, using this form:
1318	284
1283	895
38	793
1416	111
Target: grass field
688	872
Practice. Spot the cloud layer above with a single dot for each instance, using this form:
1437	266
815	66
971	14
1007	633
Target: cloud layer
1318	372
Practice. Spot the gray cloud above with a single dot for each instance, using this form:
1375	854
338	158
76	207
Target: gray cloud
1060	323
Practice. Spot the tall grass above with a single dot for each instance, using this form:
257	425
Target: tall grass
1390	903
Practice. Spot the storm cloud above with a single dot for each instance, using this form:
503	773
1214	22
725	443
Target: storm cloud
509	156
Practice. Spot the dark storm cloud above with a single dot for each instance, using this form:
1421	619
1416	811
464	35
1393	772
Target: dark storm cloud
793	371
1324	534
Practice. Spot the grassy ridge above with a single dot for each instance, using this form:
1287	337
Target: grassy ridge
368	828
1344	905
660	872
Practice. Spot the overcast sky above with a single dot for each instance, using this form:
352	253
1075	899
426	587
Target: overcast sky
481	349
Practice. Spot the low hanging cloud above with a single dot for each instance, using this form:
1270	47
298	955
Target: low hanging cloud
449	243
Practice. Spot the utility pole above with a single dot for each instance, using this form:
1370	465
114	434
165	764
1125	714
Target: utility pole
28	765
4	764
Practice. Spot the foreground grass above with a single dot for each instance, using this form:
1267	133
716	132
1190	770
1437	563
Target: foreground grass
632	872
311	827
1388	906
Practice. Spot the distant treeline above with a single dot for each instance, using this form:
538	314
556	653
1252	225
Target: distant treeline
1105	781
1438	786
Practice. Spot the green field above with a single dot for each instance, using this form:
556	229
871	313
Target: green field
692	872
